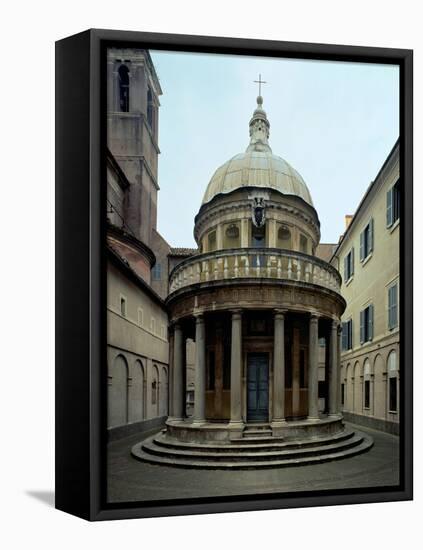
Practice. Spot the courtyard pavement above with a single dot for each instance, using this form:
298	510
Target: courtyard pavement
132	480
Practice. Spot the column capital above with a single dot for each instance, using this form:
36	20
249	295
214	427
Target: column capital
279	313
336	325
314	317
236	313
199	317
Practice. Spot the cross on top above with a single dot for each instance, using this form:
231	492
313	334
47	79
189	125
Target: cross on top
260	82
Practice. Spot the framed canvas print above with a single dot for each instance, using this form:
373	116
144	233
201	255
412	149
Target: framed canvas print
234	274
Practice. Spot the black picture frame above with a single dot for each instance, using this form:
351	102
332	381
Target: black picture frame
80	272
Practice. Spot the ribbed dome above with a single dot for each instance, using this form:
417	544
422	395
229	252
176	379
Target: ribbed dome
258	166
257	169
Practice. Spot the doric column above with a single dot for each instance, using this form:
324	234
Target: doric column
178	375
279	369
236	355
296	371
333	370
200	370
313	366
338	368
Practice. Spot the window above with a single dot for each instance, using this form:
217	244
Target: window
123	74
342	394
349	265
393	381
366	240
140	317
367	394
153	325
392	306
347	335
258	236
123	306
163	331
393	204
150	108
366	324
322	342
156	272
393	394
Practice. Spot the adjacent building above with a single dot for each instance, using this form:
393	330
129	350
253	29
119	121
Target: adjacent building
368	258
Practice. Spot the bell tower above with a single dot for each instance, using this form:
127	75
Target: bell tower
133	91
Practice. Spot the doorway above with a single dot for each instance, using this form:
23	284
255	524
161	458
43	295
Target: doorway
258	387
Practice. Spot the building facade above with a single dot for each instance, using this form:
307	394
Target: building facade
137	268
368	258
258	303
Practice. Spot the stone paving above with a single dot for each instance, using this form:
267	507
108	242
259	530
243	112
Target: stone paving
132	480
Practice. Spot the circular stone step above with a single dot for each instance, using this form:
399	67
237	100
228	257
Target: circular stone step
229	456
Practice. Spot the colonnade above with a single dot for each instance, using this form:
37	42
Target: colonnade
277	415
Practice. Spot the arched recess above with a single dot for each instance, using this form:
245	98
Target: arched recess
358	393
137	392
393	383
123	81
164	392
367	387
155	392
348	404
342	386
117	403
379	388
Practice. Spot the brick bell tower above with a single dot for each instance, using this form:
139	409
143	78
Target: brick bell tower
132	135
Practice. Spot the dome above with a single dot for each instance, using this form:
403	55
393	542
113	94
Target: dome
258	166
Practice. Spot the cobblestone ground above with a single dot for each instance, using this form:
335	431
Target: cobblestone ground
132	480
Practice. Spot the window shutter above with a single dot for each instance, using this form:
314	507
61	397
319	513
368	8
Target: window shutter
371	234
351	334
391	307
345	269
352	261
371	322
361	246
389	210
361	327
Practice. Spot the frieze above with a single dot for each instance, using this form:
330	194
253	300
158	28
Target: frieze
252	297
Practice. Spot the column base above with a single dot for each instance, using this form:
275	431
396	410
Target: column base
278	427
235	427
313	418
175	419
197	423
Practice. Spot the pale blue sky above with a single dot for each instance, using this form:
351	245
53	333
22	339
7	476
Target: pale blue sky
335	123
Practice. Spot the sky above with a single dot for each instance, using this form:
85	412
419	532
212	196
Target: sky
334	122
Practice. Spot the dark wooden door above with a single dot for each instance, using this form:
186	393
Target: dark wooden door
258	386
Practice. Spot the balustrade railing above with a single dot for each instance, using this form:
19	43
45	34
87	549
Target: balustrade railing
269	263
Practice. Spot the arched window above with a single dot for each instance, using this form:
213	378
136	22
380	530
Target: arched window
393	381
284	237
367	373
150	108
124	88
